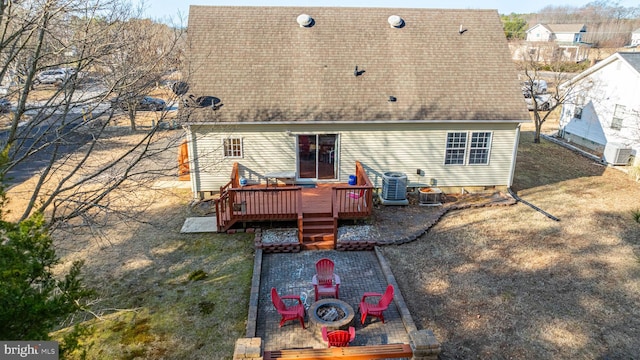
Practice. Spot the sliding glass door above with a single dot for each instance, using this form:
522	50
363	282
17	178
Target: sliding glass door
317	157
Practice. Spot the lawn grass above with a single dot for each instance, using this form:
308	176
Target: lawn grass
510	283
157	312
497	283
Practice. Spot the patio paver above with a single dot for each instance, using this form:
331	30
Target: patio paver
291	273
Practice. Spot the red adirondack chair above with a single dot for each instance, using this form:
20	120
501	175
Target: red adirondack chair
377	309
293	312
325	282
338	338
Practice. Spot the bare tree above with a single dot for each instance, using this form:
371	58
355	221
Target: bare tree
65	128
146	51
543	101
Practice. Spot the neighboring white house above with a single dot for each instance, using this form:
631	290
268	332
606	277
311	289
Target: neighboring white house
553	42
560	33
635	37
602	111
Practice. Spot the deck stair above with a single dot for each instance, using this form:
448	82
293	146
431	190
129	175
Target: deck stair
317	231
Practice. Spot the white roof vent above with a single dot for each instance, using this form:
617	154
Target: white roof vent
395	21
305	20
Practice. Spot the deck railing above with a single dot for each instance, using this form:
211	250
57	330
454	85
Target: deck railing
223	217
284	203
256	203
353	202
247	204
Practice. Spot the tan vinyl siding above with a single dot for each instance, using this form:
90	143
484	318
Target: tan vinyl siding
379	147
265	149
409	148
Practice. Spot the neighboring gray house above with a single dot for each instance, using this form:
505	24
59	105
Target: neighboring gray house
307	91
602	111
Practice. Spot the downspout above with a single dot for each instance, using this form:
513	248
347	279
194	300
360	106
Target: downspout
514	155
515	196
193	169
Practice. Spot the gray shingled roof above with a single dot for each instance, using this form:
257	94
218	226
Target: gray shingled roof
542	25
565	28
265	67
632	58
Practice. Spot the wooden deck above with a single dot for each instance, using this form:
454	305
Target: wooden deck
318	199
316	210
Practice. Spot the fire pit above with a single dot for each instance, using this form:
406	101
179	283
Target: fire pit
333	313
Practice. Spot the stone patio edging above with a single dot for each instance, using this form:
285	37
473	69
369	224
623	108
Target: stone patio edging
423	342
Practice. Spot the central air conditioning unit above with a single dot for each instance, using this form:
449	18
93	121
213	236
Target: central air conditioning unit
394	189
617	153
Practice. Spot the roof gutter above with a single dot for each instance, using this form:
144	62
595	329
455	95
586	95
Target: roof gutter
342	122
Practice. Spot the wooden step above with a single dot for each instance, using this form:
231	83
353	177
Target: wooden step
317	231
317	236
317	220
318	215
313	228
317	245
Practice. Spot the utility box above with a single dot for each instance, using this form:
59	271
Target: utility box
430	196
617	153
394	189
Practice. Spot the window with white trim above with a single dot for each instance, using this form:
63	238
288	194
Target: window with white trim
618	117
459	151
232	147
479	148
456	147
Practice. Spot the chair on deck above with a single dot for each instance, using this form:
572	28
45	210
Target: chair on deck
293	312
356	197
376	309
338	338
325	282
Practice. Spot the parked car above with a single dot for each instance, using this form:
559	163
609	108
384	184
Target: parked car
202	101
544	102
144	103
53	76
538	87
5	105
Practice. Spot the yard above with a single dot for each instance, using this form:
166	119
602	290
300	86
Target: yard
510	283
504	282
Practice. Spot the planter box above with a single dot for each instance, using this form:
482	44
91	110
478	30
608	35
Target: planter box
430	196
